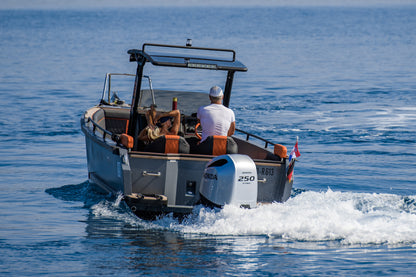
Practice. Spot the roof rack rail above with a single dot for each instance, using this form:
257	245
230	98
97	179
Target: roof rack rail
193	48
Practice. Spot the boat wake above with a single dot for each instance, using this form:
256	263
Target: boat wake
350	218
345	217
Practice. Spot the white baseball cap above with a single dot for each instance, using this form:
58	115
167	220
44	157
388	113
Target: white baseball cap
215	91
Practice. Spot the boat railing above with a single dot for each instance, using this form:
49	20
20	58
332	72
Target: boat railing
111	135
248	135
191	49
96	126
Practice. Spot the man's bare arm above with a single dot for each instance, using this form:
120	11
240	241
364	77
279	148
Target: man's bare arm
232	129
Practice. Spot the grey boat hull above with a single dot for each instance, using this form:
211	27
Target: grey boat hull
156	183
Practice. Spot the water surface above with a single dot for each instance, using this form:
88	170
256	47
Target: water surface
340	79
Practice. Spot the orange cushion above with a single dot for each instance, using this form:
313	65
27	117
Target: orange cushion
172	144
219	146
280	150
127	141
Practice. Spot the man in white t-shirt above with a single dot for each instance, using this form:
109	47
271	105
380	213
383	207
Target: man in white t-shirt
216	119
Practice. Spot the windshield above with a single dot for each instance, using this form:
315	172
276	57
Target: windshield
118	88
187	102
161	84
189	86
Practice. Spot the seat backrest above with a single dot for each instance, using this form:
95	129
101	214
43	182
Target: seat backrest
218	145
168	144
117	120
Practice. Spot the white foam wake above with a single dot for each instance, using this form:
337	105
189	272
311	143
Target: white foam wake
350	218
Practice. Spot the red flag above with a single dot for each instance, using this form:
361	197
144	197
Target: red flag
293	155
295	152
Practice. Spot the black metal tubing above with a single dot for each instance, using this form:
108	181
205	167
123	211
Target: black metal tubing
133	130
95	125
228	87
220	63
248	135
190	47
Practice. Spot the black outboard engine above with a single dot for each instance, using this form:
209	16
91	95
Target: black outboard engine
230	179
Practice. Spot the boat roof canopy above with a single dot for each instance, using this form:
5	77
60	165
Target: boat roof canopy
188	57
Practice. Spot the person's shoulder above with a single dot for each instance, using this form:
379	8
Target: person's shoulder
201	108
208	107
231	113
228	109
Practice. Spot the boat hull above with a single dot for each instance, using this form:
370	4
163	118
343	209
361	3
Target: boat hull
174	177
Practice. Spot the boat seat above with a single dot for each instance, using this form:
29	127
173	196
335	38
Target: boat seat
217	145
168	144
117	125
117	120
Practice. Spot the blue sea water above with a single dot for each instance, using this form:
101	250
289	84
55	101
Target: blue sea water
342	79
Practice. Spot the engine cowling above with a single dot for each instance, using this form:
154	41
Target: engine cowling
230	179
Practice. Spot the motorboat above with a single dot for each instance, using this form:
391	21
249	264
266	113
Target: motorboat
170	174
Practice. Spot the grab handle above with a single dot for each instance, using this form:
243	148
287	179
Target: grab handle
157	174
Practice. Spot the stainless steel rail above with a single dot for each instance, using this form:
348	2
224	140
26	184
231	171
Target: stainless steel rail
107	84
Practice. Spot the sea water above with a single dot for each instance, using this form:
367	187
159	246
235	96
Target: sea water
341	79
